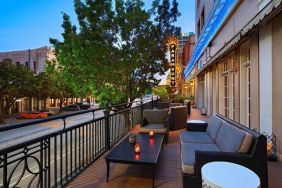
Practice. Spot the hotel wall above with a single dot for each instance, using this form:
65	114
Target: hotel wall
263	47
234	24
276	80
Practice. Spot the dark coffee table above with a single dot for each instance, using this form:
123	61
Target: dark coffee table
149	153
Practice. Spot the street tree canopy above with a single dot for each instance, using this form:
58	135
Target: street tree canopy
16	81
117	48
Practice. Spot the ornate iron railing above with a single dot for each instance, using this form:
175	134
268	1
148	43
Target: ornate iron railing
58	156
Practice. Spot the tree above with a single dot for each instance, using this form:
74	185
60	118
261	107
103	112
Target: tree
161	91
15	82
118	50
59	87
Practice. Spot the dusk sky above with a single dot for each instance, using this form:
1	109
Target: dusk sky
27	24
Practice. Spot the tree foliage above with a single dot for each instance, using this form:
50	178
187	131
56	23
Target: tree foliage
16	81
60	87
118	47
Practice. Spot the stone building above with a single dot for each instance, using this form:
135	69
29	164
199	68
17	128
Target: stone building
236	63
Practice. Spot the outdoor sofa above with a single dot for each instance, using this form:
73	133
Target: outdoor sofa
221	139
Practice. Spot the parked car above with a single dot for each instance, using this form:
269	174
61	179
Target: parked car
49	113
72	107
33	115
83	106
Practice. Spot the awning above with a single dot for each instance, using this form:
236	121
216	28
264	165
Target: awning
219	13
255	22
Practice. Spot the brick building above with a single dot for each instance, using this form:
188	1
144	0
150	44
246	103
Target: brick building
188	87
35	60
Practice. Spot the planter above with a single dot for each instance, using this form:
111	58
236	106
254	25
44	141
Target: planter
203	111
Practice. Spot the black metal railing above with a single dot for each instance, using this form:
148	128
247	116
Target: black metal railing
53	158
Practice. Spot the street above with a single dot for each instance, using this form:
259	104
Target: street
24	133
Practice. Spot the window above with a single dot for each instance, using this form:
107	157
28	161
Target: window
245	84
225	66
203	18
26	64
248	96
226	96
34	66
18	63
199	28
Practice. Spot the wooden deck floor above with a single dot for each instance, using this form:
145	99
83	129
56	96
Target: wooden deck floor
168	173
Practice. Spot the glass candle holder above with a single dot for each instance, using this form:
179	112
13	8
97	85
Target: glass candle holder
137	148
151	134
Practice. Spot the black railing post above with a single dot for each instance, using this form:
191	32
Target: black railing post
5	170
107	127
152	101
141	111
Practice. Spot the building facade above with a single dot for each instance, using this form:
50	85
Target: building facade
235	65
188	86
35	60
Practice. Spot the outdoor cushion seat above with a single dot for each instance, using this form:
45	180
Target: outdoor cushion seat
188	151
195	137
155	120
157	128
232	142
214	125
238	140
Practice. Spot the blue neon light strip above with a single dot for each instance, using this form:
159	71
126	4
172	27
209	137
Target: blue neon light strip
222	10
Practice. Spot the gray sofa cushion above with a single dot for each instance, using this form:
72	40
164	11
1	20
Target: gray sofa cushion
157	128
195	137
188	151
214	125
230	138
155	116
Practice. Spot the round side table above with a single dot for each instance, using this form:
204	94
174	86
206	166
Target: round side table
228	175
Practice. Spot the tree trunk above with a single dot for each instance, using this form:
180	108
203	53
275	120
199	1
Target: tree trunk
61	104
2	111
45	104
37	101
30	104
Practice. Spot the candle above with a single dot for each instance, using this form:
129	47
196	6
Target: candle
137	157
137	148
151	133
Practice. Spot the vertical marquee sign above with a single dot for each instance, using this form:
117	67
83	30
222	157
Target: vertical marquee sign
172	64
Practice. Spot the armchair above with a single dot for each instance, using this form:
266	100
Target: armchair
155	120
177	117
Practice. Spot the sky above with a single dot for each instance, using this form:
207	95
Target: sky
28	24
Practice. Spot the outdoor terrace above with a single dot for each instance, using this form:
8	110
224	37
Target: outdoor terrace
168	173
